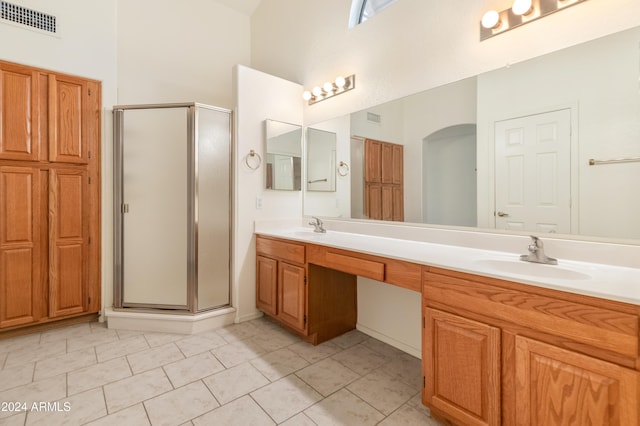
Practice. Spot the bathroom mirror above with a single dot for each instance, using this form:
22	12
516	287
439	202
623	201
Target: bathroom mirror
283	158
321	160
593	87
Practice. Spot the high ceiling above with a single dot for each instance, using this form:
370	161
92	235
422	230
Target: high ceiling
244	6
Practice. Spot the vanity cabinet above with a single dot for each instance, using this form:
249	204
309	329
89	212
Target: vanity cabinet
497	352
314	302
49	196
384	180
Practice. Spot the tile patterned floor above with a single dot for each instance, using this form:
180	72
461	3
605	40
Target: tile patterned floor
253	373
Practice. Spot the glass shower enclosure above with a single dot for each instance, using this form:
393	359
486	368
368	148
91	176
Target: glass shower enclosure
172	207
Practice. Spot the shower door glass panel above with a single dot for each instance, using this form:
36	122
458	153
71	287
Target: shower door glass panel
213	145
155	191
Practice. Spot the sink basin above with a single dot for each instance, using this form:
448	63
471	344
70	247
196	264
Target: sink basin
307	234
533	269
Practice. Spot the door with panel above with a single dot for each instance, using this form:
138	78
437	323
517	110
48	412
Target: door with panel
68	237
69	111
266	284
292	295
462	368
555	386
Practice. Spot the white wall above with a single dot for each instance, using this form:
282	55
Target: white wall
411	46
259	96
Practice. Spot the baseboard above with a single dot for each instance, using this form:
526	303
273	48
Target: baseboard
417	352
169	323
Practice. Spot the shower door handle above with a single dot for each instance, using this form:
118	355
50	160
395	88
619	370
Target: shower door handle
125	208
503	214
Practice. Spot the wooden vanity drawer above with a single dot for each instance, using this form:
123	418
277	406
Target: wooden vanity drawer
353	265
568	317
283	250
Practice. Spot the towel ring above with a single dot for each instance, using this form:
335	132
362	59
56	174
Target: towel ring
256	164
343	168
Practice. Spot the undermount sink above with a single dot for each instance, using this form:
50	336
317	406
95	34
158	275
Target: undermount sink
307	234
519	267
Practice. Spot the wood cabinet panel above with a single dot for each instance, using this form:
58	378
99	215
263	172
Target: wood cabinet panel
384	180
67	139
387	202
559	387
397	201
462	367
397	167
20	286
18	113
284	250
292	295
68	233
266	284
386	163
373	201
372	158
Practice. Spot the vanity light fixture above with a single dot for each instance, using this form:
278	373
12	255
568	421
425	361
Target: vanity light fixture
521	12
329	89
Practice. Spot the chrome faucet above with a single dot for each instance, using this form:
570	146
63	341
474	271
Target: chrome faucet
318	225
536	253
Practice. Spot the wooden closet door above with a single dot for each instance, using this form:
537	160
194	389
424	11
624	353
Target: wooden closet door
373	159
68	231
19	130
21	287
69	110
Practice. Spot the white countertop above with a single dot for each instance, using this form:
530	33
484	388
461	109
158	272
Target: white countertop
590	279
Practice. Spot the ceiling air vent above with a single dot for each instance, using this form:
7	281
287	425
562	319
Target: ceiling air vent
31	18
374	118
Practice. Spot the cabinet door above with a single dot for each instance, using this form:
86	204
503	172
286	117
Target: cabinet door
266	284
372	159
386	163
387	202
398	203
19	129
21	293
398	165
462	368
68	106
559	387
373	200
292	295
68	230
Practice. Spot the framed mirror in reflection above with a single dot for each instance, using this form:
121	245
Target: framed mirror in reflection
510	149
283	158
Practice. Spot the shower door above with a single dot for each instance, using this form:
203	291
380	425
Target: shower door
172	199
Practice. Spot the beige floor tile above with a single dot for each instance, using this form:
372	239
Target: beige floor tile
154	357
407	368
241	412
91	340
408	416
77	330
64	363
344	408
349	339
132	390
384	392
120	348
286	398
3	357
19	342
51	389
299	420
33	353
180	405
272	340
235	332
327	376
125	334
191	369
235	382
97	375
382	348
238	352
15	420
76	410
132	416
361	359
159	339
194	345
278	364
16	376
315	353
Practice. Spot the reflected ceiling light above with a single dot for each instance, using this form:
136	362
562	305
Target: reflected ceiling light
521	12
329	89
522	7
491	19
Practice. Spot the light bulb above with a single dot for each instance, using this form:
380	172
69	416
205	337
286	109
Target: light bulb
491	19
522	7
340	82
306	95
328	87
317	91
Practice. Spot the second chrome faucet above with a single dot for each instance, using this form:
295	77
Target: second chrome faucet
536	253
318	225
